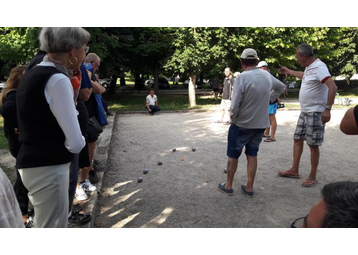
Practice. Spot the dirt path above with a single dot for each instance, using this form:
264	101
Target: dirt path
184	193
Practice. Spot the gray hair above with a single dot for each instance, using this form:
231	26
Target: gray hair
92	57
305	50
63	39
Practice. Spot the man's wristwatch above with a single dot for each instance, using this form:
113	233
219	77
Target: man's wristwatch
328	107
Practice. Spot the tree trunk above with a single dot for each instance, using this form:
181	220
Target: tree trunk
192	98
156	74
137	82
112	86
201	79
346	84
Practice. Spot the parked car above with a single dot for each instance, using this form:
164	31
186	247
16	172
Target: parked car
197	85
162	82
105	82
2	84
291	85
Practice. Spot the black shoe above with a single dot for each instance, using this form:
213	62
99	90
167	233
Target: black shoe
79	218
93	177
109	114
30	212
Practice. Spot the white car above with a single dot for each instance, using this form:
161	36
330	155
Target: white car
105	82
2	84
291	85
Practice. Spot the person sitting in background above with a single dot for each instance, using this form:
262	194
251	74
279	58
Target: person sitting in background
338	208
49	129
152	103
11	131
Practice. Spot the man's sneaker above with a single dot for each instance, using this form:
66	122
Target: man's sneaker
78	218
249	194
222	188
29	223
87	186
80	194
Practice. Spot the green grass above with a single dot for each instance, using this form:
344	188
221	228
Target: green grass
335	107
166	102
176	103
6	170
3	141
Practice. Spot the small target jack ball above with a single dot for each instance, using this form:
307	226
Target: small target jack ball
182	159
140	179
160	163
145	171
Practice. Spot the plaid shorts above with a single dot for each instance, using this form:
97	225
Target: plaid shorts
310	128
225	104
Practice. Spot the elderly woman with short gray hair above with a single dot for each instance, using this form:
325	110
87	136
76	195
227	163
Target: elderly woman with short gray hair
49	130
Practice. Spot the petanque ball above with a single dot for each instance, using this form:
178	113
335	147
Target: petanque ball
174	149
225	170
140	179
145	171
160	163
193	149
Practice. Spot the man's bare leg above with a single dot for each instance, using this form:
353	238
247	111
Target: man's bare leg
297	153
314	162
231	170
251	172
273	124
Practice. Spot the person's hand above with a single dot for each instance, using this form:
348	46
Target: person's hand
89	74
283	70
326	116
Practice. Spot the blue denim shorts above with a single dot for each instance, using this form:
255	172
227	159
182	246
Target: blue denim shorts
239	137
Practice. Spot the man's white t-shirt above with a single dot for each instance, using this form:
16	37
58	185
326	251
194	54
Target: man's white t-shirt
313	92
151	100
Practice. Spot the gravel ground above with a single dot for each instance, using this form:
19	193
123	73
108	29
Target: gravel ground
184	193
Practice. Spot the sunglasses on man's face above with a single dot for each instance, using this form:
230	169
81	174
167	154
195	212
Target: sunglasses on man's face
299	222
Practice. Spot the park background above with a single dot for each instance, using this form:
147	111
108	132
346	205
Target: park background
188	13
